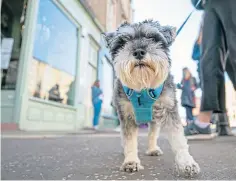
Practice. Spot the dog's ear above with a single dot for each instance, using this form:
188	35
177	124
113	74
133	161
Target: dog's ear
107	38
169	32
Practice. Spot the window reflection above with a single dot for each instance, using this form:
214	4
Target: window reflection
54	56
51	84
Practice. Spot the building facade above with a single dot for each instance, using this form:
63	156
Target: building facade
110	14
52	53
52	48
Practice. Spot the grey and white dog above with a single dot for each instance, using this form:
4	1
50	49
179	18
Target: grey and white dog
140	54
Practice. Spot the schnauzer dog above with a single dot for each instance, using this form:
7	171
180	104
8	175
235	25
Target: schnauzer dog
145	91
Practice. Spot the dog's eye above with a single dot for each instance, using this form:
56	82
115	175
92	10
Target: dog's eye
119	44
125	38
152	38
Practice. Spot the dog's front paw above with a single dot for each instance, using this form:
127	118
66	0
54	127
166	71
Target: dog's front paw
131	166
186	165
155	152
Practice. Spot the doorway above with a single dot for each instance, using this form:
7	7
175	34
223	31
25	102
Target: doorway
13	15
107	86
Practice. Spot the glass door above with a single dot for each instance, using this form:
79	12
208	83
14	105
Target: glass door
12	24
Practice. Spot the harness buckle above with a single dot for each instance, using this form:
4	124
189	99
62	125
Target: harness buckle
129	92
151	93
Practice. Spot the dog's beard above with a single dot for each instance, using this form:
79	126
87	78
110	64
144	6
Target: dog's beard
150	72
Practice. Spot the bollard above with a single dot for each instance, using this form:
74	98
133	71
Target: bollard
223	128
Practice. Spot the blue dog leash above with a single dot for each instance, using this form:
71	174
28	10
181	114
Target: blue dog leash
186	20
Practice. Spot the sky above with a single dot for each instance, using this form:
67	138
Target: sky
174	13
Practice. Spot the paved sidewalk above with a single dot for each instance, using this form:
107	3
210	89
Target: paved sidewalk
99	156
51	134
41	134
86	131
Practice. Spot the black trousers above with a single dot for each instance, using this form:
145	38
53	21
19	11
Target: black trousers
219	35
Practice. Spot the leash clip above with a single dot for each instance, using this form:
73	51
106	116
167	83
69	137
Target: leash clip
151	93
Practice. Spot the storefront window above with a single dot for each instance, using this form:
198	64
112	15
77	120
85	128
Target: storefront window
53	69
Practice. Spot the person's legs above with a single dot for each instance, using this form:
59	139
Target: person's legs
189	114
94	115
199	73
222	32
229	23
228	20
97	110
212	73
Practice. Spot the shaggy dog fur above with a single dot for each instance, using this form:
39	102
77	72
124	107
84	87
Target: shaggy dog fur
148	71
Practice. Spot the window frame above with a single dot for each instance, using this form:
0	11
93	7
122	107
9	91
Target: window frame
78	26
95	45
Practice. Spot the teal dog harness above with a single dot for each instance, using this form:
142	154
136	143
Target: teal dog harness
143	102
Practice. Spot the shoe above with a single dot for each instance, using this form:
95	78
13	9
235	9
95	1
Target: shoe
190	130
193	129
95	128
206	130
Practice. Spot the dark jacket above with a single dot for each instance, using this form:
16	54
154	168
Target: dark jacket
196	56
188	87
196	52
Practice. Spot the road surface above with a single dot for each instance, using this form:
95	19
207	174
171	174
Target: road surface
99	156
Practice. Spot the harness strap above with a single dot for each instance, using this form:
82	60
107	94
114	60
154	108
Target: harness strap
142	102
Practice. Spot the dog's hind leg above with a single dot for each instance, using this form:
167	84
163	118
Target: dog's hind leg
185	163
153	148
130	142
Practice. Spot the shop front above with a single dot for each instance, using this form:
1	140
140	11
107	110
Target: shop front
45	85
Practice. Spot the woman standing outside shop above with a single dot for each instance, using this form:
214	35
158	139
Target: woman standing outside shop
188	85
97	99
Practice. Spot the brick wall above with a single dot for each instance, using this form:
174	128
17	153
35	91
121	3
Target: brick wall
99	8
111	13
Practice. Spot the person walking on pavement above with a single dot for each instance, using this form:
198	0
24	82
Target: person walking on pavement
97	99
188	85
218	37
196	55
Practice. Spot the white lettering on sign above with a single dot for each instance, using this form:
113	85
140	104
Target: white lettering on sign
6	49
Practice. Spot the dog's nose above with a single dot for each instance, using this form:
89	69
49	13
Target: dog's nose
139	54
